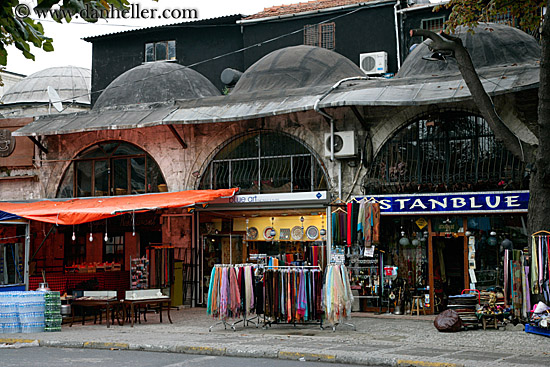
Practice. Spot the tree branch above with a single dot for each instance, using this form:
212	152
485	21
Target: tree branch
446	42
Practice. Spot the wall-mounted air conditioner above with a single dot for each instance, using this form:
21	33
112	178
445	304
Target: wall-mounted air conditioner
374	62
344	144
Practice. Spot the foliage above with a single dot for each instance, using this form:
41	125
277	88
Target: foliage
18	28
526	14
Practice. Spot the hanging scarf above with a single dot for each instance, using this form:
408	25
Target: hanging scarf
534	267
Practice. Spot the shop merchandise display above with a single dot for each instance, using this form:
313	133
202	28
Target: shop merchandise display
293	294
540	268
337	296
539	320
465	305
21	312
139	273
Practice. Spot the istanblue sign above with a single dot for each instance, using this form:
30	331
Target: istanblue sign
469	202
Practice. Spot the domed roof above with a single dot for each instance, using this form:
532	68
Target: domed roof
70	82
296	67
490	46
156	82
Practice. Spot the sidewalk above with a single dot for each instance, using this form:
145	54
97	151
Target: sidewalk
389	340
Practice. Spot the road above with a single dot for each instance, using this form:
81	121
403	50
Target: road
61	357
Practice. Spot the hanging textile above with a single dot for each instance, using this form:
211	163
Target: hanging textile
231	292
293	294
337	296
539	269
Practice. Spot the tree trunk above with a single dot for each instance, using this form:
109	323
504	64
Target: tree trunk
539	187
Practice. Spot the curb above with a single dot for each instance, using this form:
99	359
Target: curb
235	352
405	362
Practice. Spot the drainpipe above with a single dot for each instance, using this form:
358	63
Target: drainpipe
397	4
331	120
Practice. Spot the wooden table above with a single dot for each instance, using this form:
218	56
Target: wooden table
107	303
161	302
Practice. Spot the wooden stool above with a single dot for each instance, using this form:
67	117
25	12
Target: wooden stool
416	305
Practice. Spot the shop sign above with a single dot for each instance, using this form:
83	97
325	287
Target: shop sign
471	202
421	223
274	198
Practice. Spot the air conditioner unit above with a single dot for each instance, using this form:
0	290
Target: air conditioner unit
344	144
374	62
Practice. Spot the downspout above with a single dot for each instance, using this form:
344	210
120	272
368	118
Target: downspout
397	4
331	120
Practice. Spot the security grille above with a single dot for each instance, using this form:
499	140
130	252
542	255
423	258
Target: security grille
321	35
264	162
447	151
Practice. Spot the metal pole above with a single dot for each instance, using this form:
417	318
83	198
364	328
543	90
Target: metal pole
27	250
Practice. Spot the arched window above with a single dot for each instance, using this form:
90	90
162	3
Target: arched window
444	151
264	162
111	168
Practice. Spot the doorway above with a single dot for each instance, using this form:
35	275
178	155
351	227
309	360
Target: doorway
448	268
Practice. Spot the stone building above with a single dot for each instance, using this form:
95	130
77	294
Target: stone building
161	126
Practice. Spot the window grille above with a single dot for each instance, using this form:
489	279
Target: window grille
444	151
321	35
264	162
434	24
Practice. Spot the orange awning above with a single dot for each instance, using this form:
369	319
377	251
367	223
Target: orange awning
78	211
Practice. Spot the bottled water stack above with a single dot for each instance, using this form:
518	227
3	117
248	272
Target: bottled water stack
21	312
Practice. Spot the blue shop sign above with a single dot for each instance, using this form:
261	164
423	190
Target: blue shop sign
470	202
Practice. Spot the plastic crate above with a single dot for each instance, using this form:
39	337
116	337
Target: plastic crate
536	330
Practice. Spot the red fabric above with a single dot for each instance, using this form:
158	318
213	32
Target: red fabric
78	211
349	224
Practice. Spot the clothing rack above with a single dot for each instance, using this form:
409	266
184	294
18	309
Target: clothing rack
337	296
230	307
289	303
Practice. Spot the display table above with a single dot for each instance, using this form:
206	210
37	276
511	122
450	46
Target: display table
133	303
97	299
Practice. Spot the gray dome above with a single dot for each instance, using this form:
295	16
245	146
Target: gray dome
155	82
491	45
296	67
70	82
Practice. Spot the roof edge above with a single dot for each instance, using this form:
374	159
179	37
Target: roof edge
368	4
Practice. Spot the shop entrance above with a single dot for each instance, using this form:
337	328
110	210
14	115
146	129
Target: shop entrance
448	269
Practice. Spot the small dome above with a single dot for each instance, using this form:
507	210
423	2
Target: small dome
296	67
492	45
156	82
70	82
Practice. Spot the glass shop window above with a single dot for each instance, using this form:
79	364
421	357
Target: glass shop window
158	51
113	250
12	247
111	168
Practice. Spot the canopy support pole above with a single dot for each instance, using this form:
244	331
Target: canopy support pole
43	241
360	117
38	144
178	137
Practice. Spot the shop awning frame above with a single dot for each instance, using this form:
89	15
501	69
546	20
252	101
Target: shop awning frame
85	210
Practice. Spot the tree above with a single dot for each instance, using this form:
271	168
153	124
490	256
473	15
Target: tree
527	15
19	29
